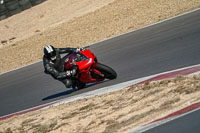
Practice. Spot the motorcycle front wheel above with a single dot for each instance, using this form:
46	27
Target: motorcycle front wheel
108	72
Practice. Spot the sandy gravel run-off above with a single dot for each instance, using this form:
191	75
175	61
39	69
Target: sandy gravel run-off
82	23
77	23
113	112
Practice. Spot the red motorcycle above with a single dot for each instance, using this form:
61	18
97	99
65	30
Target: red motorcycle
90	70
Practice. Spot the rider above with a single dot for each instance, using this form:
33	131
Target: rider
54	64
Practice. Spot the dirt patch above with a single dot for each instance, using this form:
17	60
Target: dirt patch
44	16
77	23
113	112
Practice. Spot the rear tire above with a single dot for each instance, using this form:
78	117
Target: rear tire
108	72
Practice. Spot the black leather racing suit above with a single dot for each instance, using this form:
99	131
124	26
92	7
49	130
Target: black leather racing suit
56	68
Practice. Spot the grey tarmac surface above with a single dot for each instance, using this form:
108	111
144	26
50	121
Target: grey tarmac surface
162	47
187	124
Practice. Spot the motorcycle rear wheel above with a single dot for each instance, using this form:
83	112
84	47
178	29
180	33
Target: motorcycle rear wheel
108	72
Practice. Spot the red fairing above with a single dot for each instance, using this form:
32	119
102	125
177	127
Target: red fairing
85	77
68	63
86	62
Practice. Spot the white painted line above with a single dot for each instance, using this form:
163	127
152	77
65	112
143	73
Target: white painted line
158	123
83	95
113	87
185	13
98	91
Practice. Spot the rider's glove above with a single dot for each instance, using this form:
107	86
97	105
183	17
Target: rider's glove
68	73
77	50
75	70
80	49
72	72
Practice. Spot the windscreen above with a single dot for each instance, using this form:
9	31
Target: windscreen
79	57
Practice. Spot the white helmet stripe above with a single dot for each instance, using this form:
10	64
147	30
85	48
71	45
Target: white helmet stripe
49	49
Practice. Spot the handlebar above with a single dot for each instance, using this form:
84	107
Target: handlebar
83	48
86	47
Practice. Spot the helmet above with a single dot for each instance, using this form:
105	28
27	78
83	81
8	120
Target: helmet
50	52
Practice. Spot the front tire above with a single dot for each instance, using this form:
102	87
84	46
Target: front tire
108	72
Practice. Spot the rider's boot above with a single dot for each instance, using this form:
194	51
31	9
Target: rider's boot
68	83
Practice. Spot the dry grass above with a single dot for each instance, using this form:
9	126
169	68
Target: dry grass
113	112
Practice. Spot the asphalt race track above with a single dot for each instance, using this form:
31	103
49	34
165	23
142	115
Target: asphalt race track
162	47
187	124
